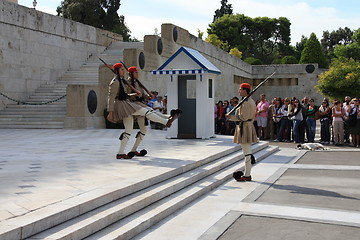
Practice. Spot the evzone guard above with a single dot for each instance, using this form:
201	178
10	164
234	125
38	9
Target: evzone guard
121	108
245	133
141	120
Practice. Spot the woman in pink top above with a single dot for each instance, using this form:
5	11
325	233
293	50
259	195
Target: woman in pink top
262	117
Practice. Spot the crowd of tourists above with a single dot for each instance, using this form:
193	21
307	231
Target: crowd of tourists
295	120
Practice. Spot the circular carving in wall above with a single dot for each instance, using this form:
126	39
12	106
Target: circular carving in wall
310	68
142	60
92	101
175	34
159	46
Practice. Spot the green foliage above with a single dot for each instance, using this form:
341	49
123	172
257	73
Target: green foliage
253	61
262	37
356	36
342	36
200	34
224	9
214	40
313	52
289	60
300	47
235	52
342	79
97	13
351	50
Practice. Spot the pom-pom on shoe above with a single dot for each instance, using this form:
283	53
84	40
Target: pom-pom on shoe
143	152
172	112
178	112
237	175
175	113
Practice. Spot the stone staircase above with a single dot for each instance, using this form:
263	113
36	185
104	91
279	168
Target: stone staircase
124	213
36	114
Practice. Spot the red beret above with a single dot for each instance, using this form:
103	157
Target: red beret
132	69
117	65
245	85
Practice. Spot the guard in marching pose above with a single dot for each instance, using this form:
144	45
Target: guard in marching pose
120	108
141	120
245	133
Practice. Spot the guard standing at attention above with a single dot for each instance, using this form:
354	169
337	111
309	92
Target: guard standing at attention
245	133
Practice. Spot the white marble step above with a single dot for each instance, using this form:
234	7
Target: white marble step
93	221
140	221
38	220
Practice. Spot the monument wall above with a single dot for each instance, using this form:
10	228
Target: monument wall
38	48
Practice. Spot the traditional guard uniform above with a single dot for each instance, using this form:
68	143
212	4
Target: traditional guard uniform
141	120
245	133
122	109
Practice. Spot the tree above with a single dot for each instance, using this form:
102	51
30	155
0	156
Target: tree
351	50
224	9
235	52
214	40
253	61
97	13
200	33
313	52
262	38
342	79
289	60
299	47
342	36
356	36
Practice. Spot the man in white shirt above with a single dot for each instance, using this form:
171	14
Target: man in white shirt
158	106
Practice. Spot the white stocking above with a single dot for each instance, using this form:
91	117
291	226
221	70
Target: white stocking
129	125
246	147
151	116
141	134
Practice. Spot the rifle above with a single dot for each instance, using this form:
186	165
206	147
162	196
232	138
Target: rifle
140	84
251	93
123	80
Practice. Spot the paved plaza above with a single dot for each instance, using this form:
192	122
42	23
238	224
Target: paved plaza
295	193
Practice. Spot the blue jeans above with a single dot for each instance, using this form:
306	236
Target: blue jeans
325	130
296	130
283	125
311	127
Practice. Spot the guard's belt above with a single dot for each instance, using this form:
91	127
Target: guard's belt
238	122
242	124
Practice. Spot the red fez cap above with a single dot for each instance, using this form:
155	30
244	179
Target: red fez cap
132	69
117	65
245	85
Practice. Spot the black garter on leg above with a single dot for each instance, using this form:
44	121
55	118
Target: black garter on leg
123	135
253	161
